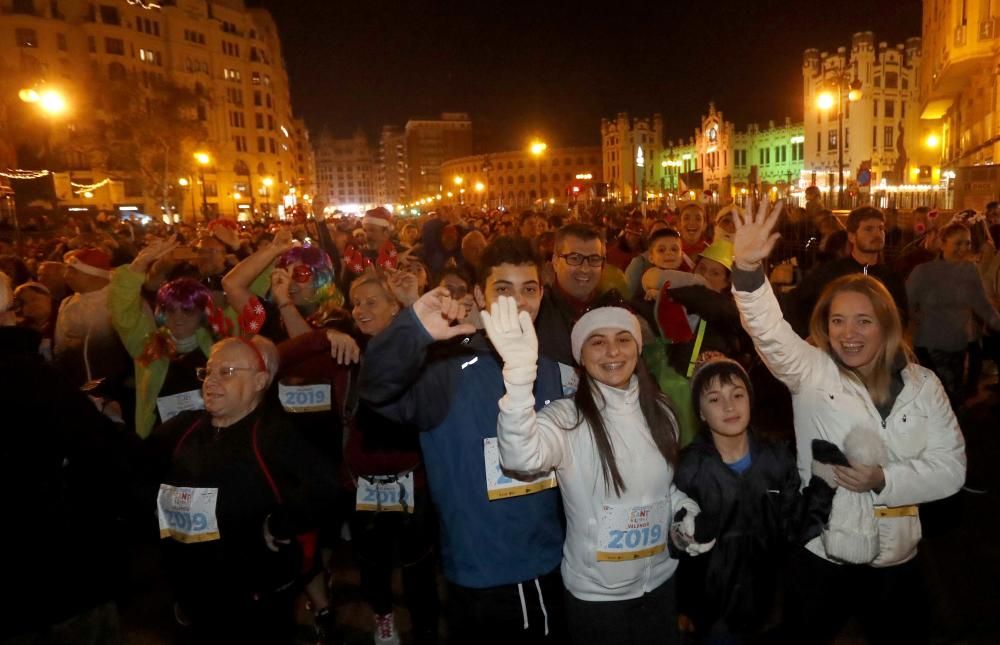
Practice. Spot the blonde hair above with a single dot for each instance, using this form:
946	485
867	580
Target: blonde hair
879	381
372	277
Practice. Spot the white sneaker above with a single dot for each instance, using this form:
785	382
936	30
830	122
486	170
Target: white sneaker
385	630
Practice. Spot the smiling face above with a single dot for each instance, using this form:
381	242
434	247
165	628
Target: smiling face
956	247
518	281
724	405
374	308
609	355
301	293
692	225
578	281
230	397
715	274
665	253
856	336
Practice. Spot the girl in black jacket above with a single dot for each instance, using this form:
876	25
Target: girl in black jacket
748	489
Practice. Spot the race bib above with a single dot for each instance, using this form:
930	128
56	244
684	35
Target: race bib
170	406
632	532
305	398
385	493
570	379
499	485
187	514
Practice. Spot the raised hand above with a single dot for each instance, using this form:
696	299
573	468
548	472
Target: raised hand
283	241
513	335
403	286
280	282
755	239
437	310
152	253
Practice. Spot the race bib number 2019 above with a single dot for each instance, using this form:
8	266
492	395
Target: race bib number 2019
632	532
385	494
305	398
187	514
500	485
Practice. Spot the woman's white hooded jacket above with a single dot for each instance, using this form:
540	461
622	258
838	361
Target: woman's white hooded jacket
533	442
925	445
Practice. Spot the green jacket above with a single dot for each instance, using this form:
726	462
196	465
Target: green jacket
135	325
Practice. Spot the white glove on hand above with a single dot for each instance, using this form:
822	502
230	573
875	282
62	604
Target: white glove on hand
682	533
513	335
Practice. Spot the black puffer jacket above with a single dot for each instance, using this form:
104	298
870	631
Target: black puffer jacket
754	516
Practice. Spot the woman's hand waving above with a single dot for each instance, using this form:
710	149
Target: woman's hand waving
755	239
513	335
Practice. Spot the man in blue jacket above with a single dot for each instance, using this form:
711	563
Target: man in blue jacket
501	533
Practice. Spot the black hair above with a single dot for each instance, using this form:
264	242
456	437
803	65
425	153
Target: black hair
664	232
656	408
725	371
505	250
580	231
862	214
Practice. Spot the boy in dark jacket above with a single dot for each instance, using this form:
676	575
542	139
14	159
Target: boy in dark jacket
748	489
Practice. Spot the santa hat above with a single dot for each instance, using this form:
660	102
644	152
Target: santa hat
379	216
91	261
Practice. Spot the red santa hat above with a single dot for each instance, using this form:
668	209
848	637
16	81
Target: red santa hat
379	216
90	261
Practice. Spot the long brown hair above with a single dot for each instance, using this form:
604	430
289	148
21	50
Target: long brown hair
656	408
893	346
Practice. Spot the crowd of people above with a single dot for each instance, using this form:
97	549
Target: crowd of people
600	425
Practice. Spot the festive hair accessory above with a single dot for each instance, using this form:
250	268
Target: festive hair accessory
357	262
319	264
91	261
601	317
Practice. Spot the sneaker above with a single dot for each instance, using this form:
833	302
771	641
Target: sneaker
385	630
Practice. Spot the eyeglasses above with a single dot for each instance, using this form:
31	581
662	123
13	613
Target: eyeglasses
302	273
223	373
576	259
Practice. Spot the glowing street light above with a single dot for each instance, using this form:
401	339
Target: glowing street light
932	141
825	100
538	147
203	159
480	186
458	181
183	181
52	102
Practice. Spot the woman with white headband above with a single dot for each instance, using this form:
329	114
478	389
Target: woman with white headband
613	448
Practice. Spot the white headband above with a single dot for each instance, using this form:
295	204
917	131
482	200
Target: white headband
600	318
83	267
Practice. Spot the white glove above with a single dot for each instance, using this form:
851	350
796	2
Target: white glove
513	335
682	533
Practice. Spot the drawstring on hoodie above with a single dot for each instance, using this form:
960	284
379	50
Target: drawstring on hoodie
541	603
524	606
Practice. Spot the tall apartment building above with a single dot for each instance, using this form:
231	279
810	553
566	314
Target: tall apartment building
228	55
960	95
431	142
629	149
881	129
390	168
345	172
721	159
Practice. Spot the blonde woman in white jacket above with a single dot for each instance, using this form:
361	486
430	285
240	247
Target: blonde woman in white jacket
856	373
613	449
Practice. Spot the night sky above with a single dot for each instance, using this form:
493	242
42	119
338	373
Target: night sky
554	68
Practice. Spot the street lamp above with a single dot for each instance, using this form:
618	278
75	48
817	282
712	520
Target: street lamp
203	160
537	149
851	90
932	141
267	183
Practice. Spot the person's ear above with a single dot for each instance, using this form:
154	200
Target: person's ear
479	296
260	381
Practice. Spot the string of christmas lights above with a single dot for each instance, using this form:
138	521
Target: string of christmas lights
84	188
12	173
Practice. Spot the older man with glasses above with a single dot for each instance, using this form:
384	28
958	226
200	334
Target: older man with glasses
578	261
237	485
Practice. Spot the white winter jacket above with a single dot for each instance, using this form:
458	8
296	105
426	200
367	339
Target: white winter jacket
534	443
926	447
